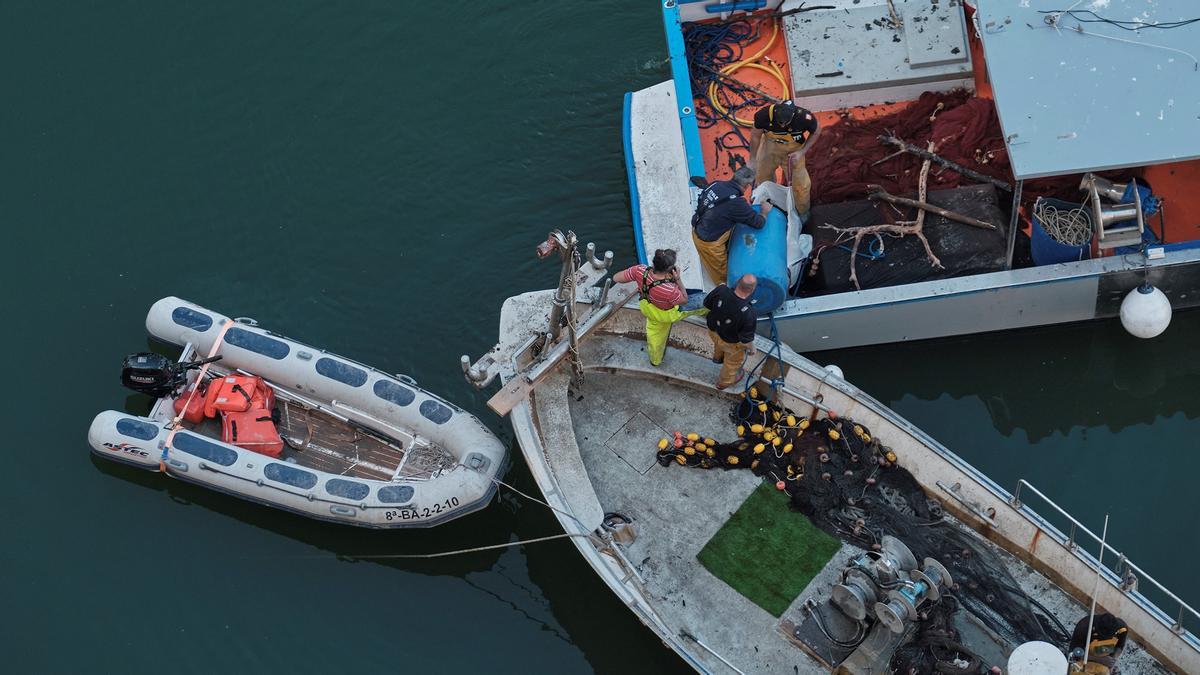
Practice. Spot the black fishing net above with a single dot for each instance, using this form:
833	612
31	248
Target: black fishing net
852	486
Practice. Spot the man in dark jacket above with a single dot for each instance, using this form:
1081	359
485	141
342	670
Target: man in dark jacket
721	206
731	323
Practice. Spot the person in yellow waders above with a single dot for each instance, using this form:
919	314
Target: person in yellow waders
662	293
722	205
782	133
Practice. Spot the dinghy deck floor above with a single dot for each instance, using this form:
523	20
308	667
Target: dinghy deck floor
317	440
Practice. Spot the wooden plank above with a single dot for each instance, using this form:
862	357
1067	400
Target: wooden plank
519	387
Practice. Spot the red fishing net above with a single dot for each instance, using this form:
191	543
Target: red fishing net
965	130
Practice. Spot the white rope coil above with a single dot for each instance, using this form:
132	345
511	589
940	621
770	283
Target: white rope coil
1072	227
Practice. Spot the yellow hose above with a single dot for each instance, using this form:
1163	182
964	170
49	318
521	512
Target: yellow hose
770	68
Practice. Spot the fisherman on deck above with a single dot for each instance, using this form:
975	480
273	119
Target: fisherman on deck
661	294
782	133
731	323
1103	648
721	206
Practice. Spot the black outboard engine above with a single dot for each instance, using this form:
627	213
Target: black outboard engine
155	374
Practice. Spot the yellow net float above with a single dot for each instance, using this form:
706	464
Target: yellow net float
756	428
689	451
791	420
741	431
732	459
693	437
804	424
787	448
759	448
681	459
662	445
776	441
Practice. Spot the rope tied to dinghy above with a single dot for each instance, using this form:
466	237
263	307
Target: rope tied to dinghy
475	549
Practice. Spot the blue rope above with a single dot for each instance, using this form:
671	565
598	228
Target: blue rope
874	249
776	350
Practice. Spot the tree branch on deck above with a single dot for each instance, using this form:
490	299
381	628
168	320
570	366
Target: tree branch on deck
898	229
953	166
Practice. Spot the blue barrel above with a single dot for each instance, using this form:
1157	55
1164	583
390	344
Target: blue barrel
762	253
1047	251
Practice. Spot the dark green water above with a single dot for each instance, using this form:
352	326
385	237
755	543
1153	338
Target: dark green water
371	178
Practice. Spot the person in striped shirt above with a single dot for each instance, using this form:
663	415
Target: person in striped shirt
662	293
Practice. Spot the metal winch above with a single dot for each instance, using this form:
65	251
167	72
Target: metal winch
905	603
888	584
867	578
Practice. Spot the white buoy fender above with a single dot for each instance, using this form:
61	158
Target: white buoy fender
1036	658
836	371
1145	312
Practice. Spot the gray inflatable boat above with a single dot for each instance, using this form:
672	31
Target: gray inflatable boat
274	421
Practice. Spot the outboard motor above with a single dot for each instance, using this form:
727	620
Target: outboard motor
155	374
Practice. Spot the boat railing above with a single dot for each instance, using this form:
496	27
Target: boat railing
1124	574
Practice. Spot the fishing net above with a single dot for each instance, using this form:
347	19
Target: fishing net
852	486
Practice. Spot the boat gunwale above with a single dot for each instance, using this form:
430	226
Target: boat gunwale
527	428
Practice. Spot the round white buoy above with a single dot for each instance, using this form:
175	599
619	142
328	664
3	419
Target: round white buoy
1036	658
1145	312
836	371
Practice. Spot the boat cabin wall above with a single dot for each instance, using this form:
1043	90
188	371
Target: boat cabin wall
347	388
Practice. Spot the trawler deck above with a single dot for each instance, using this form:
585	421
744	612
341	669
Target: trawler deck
600	444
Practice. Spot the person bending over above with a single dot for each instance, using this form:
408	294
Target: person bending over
781	135
721	206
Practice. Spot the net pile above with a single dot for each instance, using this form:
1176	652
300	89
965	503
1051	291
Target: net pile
852	486
965	130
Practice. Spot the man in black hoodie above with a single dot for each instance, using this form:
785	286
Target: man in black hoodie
731	322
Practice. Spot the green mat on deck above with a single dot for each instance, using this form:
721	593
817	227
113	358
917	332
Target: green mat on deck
767	552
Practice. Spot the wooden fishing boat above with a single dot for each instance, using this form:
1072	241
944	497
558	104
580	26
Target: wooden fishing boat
686	548
257	415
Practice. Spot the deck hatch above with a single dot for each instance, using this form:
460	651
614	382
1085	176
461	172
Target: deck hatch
636	442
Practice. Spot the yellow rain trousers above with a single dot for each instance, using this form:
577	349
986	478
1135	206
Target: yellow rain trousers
714	256
658	327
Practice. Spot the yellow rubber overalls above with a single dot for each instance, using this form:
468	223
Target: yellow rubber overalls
658	320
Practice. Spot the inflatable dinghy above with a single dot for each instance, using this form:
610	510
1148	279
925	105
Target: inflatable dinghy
274	421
